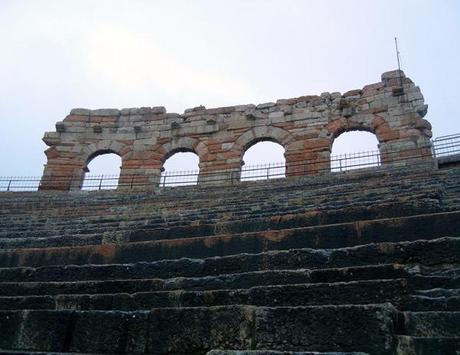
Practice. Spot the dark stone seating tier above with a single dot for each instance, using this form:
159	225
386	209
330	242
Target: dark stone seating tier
358	263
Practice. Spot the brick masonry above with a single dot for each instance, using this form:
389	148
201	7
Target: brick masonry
306	126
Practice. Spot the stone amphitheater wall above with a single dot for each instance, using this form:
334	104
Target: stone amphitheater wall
306	126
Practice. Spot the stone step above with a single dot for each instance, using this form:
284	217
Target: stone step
198	330
426	226
432	324
40	241
304	294
222	281
439	292
428	346
300	217
146	231
418	303
36	238
212	352
274	352
116	201
303	194
199	247
362	178
446	269
231	281
19	352
353	292
425	252
336	213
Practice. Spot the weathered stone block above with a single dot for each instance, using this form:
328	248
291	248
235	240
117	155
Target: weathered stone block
80	112
105	112
362	328
265	105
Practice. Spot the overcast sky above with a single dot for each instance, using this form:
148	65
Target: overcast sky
57	55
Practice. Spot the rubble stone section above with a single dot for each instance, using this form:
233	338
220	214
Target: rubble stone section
306	126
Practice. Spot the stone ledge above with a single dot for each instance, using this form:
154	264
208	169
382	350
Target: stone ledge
274	352
198	330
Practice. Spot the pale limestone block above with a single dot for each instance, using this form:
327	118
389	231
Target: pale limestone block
276	115
227	146
265	105
240	108
116	146
80	112
238	124
105	112
206	129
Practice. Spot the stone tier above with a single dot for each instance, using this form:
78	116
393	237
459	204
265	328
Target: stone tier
363	263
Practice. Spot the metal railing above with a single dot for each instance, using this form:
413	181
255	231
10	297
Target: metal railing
263	171
19	183
359	160
248	173
100	182
446	146
179	178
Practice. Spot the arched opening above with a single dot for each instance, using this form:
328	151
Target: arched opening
180	168
102	171
355	150
263	159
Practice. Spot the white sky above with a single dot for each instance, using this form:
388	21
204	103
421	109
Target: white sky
57	55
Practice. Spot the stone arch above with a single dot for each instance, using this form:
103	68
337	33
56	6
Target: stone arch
257	164
371	123
357	149
105	171
262	133
96	154
368	123
91	151
183	144
181	167
259	140
75	175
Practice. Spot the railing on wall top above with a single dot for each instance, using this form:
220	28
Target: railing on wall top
445	146
344	162
263	171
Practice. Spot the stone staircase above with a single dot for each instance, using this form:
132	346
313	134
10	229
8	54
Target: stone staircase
356	263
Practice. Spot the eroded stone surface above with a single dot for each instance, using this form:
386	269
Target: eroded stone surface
198	330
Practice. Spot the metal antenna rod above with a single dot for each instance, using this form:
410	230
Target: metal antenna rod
399	61
397	53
